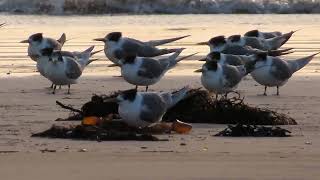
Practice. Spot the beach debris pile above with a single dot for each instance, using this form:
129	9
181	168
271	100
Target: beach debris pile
242	130
201	108
95	133
204	108
101	122
113	132
109	129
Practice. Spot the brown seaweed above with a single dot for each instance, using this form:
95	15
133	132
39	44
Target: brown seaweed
96	133
198	107
241	130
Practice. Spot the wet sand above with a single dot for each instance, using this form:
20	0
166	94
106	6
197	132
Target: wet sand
26	107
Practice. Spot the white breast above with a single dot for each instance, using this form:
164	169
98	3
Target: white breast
213	81
56	73
130	74
262	74
130	112
110	48
41	65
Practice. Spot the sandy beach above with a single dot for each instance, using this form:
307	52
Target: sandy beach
27	106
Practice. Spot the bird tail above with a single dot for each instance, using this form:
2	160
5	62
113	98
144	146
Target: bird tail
186	57
172	60
164	41
91	60
95	52
173	98
277	42
62	39
298	64
279	52
84	56
168	51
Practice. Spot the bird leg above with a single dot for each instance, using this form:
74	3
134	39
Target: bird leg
147	87
277	90
54	89
60	87
68	88
136	87
51	87
265	91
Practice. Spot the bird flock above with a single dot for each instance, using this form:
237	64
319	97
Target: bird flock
229	60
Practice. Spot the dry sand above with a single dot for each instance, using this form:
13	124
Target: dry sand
26	107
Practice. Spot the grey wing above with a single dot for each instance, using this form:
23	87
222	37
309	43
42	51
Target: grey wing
234	60
131	47
73	69
280	70
237	50
153	108
269	35
67	53
254	42
150	68
136	47
231	75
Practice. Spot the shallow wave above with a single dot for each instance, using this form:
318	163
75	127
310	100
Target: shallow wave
62	7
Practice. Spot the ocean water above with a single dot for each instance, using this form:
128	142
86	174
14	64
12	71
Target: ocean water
159	6
81	30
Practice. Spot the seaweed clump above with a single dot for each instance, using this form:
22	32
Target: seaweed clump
201	107
198	107
240	130
115	132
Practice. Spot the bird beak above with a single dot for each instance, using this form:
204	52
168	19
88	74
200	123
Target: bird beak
24	41
112	100
198	71
115	65
203	43
99	39
203	59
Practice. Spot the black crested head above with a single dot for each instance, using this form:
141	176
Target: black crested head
114	36
36	37
215	56
262	56
253	33
235	38
212	65
216	41
46	51
129	95
129	59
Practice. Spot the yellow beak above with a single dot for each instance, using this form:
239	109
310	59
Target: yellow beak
203	43
198	71
24	41
99	39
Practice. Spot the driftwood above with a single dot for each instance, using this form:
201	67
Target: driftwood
198	107
240	130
